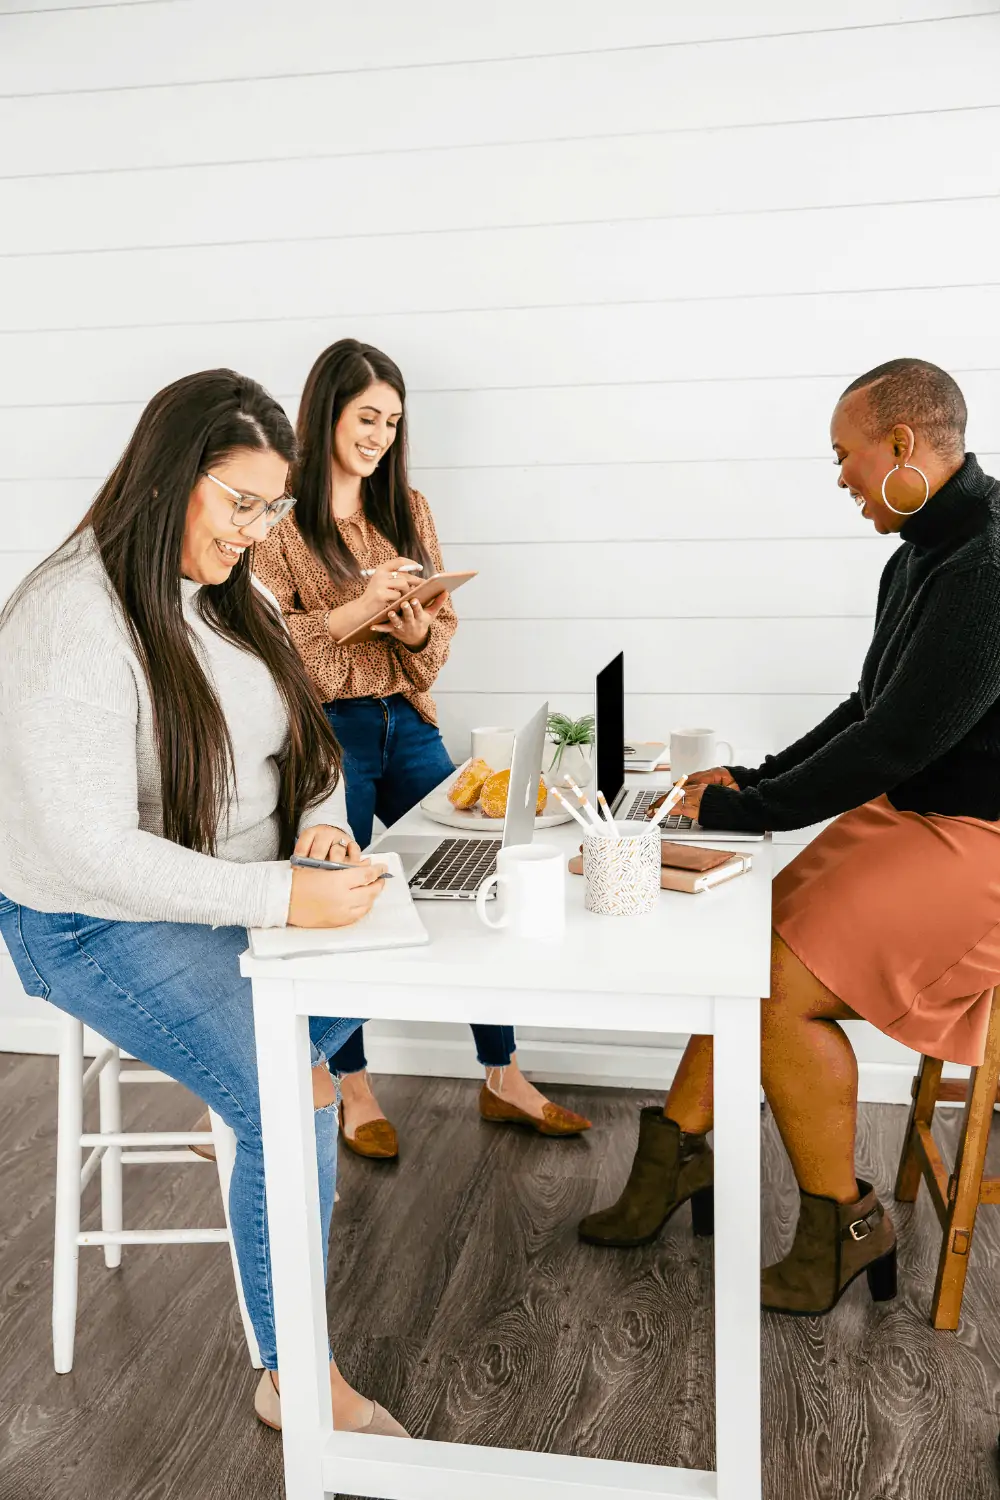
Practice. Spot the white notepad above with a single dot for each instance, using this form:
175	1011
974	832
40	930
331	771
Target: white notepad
393	922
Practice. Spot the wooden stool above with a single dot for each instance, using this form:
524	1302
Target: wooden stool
956	1197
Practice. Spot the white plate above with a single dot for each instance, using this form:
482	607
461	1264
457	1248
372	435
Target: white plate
440	810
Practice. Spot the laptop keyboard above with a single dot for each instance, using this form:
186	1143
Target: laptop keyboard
458	865
643	801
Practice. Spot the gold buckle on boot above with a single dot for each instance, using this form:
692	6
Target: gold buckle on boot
861	1228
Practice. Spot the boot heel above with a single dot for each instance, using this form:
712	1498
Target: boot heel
882	1277
703	1212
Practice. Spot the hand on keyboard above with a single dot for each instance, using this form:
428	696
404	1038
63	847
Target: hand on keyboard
686	807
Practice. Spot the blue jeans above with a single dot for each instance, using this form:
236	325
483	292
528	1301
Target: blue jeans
172	994
393	758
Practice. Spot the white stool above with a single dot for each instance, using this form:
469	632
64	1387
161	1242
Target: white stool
113	1148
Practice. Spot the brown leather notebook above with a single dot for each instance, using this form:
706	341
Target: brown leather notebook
691	857
686	867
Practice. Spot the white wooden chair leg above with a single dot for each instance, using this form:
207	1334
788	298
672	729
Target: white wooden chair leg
109	1085
66	1254
225	1157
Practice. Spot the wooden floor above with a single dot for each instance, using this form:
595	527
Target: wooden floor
461	1298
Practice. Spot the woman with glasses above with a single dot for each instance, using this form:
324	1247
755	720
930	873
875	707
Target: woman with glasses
357	535
161	757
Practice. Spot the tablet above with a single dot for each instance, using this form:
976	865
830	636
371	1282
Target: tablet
426	590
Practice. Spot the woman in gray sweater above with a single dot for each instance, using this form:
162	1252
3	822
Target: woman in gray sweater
162	755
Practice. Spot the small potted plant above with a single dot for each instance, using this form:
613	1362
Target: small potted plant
570	754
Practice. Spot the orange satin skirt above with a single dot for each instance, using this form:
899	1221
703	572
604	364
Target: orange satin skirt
898	914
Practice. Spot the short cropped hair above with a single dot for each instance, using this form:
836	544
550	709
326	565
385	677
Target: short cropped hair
915	392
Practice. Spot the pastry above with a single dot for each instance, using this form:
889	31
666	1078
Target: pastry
493	797
468	785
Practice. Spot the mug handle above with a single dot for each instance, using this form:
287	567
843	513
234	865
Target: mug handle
481	895
728	758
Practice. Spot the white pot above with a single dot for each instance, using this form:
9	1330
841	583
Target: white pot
575	761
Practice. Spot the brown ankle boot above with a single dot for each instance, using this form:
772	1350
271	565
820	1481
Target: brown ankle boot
834	1242
669	1167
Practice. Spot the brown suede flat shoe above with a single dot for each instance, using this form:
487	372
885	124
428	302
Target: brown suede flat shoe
377	1140
555	1120
267	1405
207	1151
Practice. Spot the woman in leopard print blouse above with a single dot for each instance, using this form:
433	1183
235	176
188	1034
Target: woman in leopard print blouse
355	514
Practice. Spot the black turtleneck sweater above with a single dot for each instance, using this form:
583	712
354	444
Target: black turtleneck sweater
924	724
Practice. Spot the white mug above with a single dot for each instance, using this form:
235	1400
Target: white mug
495	746
696	750
531	883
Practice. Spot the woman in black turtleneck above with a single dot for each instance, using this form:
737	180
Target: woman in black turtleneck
893	913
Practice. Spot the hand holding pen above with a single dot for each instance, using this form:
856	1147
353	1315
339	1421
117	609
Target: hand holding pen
333	893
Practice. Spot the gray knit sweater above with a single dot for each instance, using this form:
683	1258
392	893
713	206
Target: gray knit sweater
81	825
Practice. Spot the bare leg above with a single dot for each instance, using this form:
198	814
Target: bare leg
515	1088
689	1103
350	1408
360	1105
810	1077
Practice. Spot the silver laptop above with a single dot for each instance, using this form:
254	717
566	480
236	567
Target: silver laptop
632	803
454	869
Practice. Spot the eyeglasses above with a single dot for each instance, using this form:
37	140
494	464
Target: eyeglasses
249	508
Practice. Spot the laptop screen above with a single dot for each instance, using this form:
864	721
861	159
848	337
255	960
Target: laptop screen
610	712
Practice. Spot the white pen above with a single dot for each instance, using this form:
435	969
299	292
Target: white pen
605	809
585	806
588	828
403	568
669	803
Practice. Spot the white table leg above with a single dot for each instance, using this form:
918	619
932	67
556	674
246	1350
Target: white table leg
737	1248
293	1217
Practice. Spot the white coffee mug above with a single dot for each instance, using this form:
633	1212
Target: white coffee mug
495	746
696	750
531	886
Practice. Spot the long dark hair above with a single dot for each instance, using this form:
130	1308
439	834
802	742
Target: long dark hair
340	374
138	521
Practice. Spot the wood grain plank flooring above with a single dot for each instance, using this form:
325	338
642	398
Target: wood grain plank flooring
460	1297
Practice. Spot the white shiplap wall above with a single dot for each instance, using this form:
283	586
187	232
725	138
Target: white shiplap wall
626	256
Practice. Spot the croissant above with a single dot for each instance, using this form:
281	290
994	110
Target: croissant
493	796
467	787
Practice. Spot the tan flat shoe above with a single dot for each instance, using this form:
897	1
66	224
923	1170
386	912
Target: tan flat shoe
376	1139
206	1151
555	1120
267	1405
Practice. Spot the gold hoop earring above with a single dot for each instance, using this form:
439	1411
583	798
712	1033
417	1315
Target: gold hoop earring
888	503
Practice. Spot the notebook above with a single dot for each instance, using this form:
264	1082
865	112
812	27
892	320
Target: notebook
684	867
393	922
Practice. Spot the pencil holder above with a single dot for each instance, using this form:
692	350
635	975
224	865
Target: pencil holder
622	874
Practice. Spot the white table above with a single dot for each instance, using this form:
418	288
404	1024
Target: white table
692	965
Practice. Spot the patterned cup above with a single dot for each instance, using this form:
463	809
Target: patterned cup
622	875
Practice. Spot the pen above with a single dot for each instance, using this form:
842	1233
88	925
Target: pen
304	862
669	802
405	568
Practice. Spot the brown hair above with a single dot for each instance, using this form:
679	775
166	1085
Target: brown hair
138	520
339	375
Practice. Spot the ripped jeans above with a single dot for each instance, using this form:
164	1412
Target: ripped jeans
171	993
